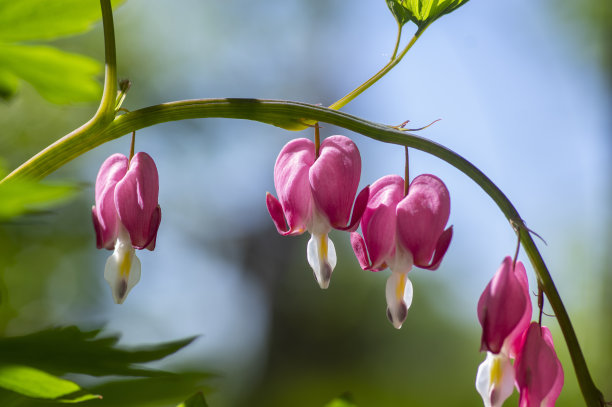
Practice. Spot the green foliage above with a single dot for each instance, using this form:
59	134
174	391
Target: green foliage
197	400
47	68
149	392
422	12
70	350
27	20
59	77
346	400
35	383
30	363
23	196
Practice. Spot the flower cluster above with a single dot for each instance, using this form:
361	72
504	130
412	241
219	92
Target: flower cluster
400	230
402	225
126	216
504	311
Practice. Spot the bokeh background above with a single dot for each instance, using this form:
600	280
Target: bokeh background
523	91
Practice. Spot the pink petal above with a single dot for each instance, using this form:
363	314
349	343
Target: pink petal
502	307
379	220
136	200
555	391
539	376
292	185
104	213
515	337
278	216
361	252
441	248
334	178
360	205
154	226
422	216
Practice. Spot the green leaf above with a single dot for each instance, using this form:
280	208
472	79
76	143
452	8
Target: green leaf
35	383
345	400
58	76
152	391
27	20
70	350
8	84
197	400
422	12
401	14
22	196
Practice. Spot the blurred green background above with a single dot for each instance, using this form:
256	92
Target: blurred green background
523	89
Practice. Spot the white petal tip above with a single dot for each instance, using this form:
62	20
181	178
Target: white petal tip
398	317
321	255
122	272
399	298
119	291
323	275
495	379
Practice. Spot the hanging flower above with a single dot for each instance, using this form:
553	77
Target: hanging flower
504	311
539	374
316	194
403	231
126	217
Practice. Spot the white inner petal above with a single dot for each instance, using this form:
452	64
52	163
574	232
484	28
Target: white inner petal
399	298
402	261
321	255
122	270
495	379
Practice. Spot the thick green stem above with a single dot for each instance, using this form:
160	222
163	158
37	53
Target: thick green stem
288	114
106	110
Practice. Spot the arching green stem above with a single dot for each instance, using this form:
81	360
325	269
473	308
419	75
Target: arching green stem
290	114
106	111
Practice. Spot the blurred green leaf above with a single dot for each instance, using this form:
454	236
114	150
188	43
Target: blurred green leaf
70	350
27	20
35	383
346	400
149	392
422	12
8	84
59	77
197	400
22	196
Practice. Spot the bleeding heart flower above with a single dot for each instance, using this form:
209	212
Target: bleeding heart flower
403	231
504	311
316	194
539	374
126	217
504	308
